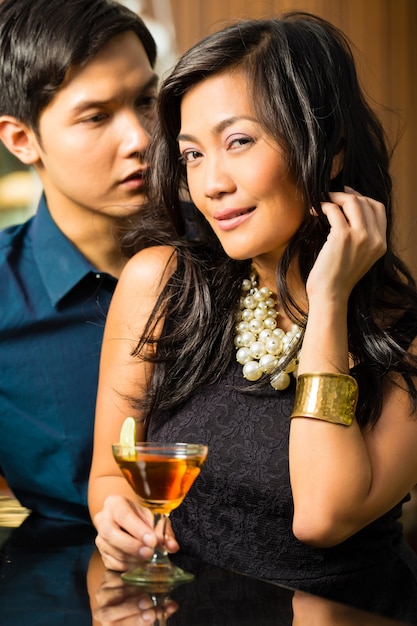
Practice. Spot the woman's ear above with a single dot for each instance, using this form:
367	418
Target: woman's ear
19	139
337	163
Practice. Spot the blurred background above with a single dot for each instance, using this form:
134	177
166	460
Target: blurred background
383	36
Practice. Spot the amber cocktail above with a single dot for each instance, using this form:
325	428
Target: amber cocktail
161	474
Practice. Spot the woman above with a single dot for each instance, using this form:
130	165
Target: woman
265	127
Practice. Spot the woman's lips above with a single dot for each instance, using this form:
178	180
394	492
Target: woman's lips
228	219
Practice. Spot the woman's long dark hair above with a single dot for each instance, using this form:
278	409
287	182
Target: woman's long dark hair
306	95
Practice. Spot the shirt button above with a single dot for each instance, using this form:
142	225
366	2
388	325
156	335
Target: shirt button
98	275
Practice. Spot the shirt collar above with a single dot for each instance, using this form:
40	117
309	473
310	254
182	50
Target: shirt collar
60	264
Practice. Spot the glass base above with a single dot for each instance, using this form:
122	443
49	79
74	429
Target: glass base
157	575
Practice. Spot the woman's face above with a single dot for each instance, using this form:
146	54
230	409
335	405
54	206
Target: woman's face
237	174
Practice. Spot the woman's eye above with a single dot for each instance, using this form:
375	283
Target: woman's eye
238	142
190	156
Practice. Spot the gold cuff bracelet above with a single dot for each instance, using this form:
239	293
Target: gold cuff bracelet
328	397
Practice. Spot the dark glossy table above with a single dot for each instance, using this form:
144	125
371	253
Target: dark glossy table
50	574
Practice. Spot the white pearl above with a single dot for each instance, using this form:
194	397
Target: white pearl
256	325
270	323
274	346
267	362
238	341
246	284
265	334
265	292
260	313
242	326
243	355
247	338
250	302
257	349
252	371
280	381
247	315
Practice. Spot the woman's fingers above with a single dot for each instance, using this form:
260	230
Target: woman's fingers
126	535
364	217
357	239
361	211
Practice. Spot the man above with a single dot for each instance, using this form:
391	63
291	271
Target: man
77	95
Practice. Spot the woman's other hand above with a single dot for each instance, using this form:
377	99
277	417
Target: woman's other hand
357	239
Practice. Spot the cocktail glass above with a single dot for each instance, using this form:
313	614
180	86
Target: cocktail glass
161	474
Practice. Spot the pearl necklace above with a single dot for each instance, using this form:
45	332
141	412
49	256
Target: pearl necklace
260	345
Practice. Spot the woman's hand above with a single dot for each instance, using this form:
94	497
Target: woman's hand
357	239
125	534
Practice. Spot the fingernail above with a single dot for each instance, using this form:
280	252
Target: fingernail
145	603
148	539
145	552
148	616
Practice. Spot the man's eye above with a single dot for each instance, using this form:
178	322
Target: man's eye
146	101
97	117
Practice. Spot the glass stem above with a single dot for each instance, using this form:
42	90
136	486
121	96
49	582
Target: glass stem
160	553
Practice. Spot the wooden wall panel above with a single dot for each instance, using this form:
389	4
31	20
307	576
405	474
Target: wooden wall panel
383	35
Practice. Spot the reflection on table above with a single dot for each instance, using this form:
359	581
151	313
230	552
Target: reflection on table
220	597
50	573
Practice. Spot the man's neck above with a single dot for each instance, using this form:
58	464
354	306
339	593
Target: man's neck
94	235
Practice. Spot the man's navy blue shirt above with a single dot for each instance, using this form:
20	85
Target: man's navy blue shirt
53	305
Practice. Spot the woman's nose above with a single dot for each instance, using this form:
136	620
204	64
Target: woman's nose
218	180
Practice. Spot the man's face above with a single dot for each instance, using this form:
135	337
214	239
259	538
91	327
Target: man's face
94	133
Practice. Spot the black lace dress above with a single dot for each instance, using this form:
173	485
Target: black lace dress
238	514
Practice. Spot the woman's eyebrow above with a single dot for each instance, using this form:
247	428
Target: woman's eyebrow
220	127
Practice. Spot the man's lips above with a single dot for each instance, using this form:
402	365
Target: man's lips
135	180
137	175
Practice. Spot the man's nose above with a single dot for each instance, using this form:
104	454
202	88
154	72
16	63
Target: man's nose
136	132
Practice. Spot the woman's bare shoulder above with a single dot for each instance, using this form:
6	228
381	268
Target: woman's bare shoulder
149	268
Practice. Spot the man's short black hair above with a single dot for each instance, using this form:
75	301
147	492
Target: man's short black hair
41	39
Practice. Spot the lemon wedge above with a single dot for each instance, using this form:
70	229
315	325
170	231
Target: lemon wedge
128	433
